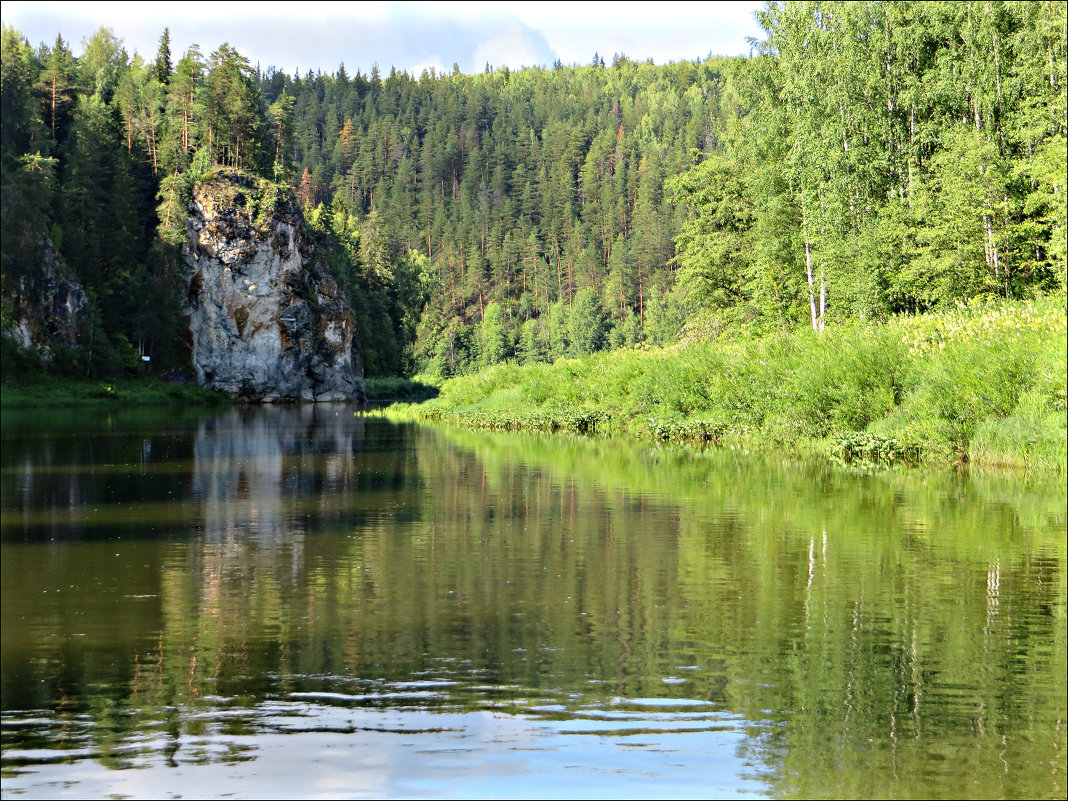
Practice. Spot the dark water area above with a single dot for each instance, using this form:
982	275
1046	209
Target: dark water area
301	601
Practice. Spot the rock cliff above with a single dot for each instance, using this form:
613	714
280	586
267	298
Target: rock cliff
267	321
48	305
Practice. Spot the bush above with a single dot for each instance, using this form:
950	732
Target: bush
984	382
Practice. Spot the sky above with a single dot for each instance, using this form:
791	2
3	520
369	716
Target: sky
410	36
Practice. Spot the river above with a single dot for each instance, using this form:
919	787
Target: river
304	602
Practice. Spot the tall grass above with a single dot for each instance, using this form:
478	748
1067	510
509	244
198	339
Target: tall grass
984	383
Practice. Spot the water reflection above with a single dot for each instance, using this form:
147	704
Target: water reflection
228	596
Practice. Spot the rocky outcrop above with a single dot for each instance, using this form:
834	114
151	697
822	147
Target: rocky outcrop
48	305
267	320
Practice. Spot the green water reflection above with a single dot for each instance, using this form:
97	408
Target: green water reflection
177	590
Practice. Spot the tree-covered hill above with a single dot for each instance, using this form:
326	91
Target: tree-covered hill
511	191
870	159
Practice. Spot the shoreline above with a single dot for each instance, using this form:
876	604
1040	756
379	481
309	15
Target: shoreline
49	391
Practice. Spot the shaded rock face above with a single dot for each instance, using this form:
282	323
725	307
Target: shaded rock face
266	319
48	304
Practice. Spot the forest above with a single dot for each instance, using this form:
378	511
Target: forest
866	161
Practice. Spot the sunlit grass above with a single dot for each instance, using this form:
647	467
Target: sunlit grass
983	382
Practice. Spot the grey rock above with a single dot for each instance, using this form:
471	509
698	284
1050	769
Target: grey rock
48	305
267	320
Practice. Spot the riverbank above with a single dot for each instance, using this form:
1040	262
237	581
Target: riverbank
61	391
984	383
28	390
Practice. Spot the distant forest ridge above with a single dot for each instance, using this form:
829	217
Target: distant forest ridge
870	159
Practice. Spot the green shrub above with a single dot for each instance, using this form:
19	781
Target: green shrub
868	448
984	382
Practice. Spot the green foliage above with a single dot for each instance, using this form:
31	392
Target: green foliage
31	389
895	157
559	329
984	382
870	159
586	325
713	244
398	390
494	344
532	346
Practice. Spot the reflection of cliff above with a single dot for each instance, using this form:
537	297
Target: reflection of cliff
263	476
269	480
261	471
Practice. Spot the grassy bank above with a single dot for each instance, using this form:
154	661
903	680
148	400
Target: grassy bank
41	389
54	391
984	383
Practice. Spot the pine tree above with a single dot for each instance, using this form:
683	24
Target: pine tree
162	64
55	84
21	127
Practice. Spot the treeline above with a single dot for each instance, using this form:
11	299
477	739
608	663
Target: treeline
867	160
457	208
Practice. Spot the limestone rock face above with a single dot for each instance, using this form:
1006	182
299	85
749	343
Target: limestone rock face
266	319
48	304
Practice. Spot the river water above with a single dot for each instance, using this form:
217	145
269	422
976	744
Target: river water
304	602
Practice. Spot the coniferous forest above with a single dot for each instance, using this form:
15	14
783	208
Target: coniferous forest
867	160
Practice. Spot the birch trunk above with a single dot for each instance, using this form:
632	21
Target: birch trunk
992	259
811	287
823	300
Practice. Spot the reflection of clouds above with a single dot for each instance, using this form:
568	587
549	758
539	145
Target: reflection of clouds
410	753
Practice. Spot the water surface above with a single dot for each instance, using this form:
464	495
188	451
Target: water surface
299	601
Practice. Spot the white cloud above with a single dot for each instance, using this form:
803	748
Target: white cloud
513	46
410	36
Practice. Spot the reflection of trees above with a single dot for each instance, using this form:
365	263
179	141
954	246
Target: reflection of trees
529	574
876	624
867	624
66	479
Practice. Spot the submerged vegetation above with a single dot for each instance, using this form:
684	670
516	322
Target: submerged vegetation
983	383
